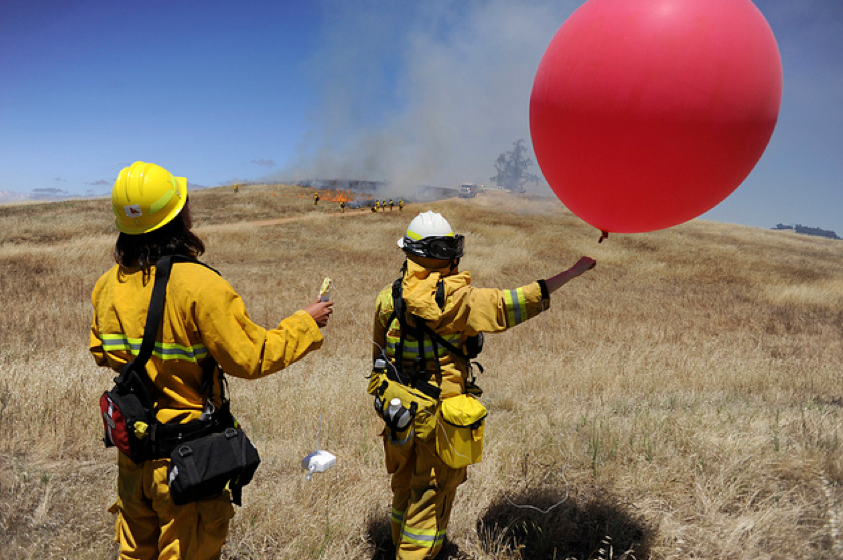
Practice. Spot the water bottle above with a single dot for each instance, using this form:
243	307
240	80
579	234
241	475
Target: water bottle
398	415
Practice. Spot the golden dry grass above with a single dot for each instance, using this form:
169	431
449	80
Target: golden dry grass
682	400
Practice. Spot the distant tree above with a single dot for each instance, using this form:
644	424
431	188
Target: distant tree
799	228
815	231
512	168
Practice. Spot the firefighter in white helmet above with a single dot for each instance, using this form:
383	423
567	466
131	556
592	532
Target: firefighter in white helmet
204	321
428	327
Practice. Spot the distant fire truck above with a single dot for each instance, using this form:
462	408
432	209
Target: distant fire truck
469	190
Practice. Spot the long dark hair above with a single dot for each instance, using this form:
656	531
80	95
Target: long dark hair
144	250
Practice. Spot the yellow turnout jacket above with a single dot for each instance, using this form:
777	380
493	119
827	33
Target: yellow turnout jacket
468	311
203	318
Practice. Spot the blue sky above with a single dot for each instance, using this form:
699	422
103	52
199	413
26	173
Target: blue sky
414	92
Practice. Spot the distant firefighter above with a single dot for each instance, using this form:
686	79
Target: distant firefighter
316	199
342	206
400	204
391	204
236	188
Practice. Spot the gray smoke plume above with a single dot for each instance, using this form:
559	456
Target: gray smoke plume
423	93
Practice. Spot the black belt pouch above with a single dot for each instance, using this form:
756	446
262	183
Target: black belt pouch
204	467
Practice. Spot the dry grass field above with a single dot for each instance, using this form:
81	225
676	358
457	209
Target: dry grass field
682	400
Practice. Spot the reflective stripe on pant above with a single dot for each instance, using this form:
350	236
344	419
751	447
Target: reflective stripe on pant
150	526
423	489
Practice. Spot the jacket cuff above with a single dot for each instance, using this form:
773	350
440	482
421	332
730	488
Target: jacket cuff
543	286
308	325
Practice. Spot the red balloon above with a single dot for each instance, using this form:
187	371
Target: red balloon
646	113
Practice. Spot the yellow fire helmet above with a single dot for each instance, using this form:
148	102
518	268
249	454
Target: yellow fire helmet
145	197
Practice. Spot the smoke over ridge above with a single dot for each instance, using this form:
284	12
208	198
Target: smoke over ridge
423	93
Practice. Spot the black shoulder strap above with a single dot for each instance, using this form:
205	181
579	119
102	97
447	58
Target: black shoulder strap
448	346
440	294
163	267
156	304
156	310
153	318
398	312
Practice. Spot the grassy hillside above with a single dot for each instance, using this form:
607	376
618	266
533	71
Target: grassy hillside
682	400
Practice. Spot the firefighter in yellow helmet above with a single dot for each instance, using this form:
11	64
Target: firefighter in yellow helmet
428	326
204	322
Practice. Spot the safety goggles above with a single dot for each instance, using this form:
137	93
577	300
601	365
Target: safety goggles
443	248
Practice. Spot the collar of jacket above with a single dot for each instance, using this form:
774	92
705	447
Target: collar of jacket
125	273
419	288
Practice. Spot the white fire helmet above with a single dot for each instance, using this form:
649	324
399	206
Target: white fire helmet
430	235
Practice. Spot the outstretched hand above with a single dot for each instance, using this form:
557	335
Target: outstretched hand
584	264
581	266
320	311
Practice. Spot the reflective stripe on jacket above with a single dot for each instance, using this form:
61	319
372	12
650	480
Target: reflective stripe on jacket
467	312
203	316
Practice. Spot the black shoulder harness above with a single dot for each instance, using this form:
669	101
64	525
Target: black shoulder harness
419	375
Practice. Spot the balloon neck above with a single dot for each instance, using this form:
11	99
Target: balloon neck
603	235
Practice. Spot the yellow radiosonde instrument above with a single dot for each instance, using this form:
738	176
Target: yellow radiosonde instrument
325	290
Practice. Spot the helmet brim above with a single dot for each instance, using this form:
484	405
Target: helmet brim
181	192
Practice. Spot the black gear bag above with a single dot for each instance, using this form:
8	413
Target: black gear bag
204	467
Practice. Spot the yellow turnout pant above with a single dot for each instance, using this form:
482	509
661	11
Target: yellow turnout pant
423	491
150	526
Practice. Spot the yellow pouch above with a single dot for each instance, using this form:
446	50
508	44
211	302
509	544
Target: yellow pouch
375	381
424	421
459	432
